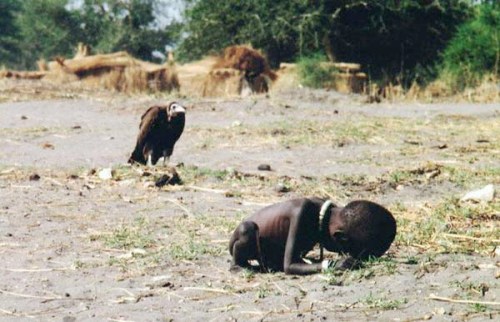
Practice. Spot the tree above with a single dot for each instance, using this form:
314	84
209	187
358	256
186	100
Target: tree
281	28
9	32
112	25
47	29
475	49
394	39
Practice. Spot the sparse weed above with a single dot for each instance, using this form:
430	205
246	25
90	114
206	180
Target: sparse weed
471	288
383	303
478	307
248	274
192	249
263	292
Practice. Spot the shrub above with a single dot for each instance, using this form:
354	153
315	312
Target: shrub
314	73
475	49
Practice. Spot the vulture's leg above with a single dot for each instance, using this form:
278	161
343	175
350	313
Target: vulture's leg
166	157
166	160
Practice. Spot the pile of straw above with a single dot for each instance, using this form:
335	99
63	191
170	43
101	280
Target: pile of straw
117	71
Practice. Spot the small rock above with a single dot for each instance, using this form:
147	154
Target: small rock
24	117
264	167
105	174
440	311
34	177
48	145
236	123
486	194
76	127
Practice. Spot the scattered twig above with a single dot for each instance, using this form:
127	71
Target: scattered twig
16	314
54	181
186	210
223	308
31	296
279	288
323	190
472	238
207	189
206	289
26	270
446	299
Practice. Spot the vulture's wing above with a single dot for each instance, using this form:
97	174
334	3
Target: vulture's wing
148	120
148	111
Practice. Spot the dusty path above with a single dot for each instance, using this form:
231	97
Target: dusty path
75	246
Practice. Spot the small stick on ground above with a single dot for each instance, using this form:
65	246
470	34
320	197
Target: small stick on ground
446	299
472	238
30	296
187	211
216	290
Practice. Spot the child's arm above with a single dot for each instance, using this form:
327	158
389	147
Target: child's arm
297	242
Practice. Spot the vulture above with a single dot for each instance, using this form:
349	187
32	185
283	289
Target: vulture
160	128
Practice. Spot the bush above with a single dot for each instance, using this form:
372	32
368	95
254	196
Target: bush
475	49
398	43
313	73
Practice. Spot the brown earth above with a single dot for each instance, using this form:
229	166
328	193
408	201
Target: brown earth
74	246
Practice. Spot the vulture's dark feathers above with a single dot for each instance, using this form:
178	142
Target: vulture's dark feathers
160	128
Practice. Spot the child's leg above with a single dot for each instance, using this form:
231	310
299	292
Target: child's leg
244	245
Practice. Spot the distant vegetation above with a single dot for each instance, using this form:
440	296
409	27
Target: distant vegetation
397	41
34	29
474	51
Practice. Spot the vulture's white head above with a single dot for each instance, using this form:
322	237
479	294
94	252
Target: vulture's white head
175	109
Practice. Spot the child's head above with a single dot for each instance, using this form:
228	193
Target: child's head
362	229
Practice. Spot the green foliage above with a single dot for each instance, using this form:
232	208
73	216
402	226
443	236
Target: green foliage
382	303
475	49
47	29
393	40
34	29
283	29
314	73
9	31
113	25
396	41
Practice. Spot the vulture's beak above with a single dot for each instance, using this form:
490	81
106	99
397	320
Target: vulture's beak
176	109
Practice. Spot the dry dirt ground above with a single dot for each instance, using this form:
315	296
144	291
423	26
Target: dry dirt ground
75	247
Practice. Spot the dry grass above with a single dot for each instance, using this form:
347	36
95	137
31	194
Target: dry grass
117	71
487	91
